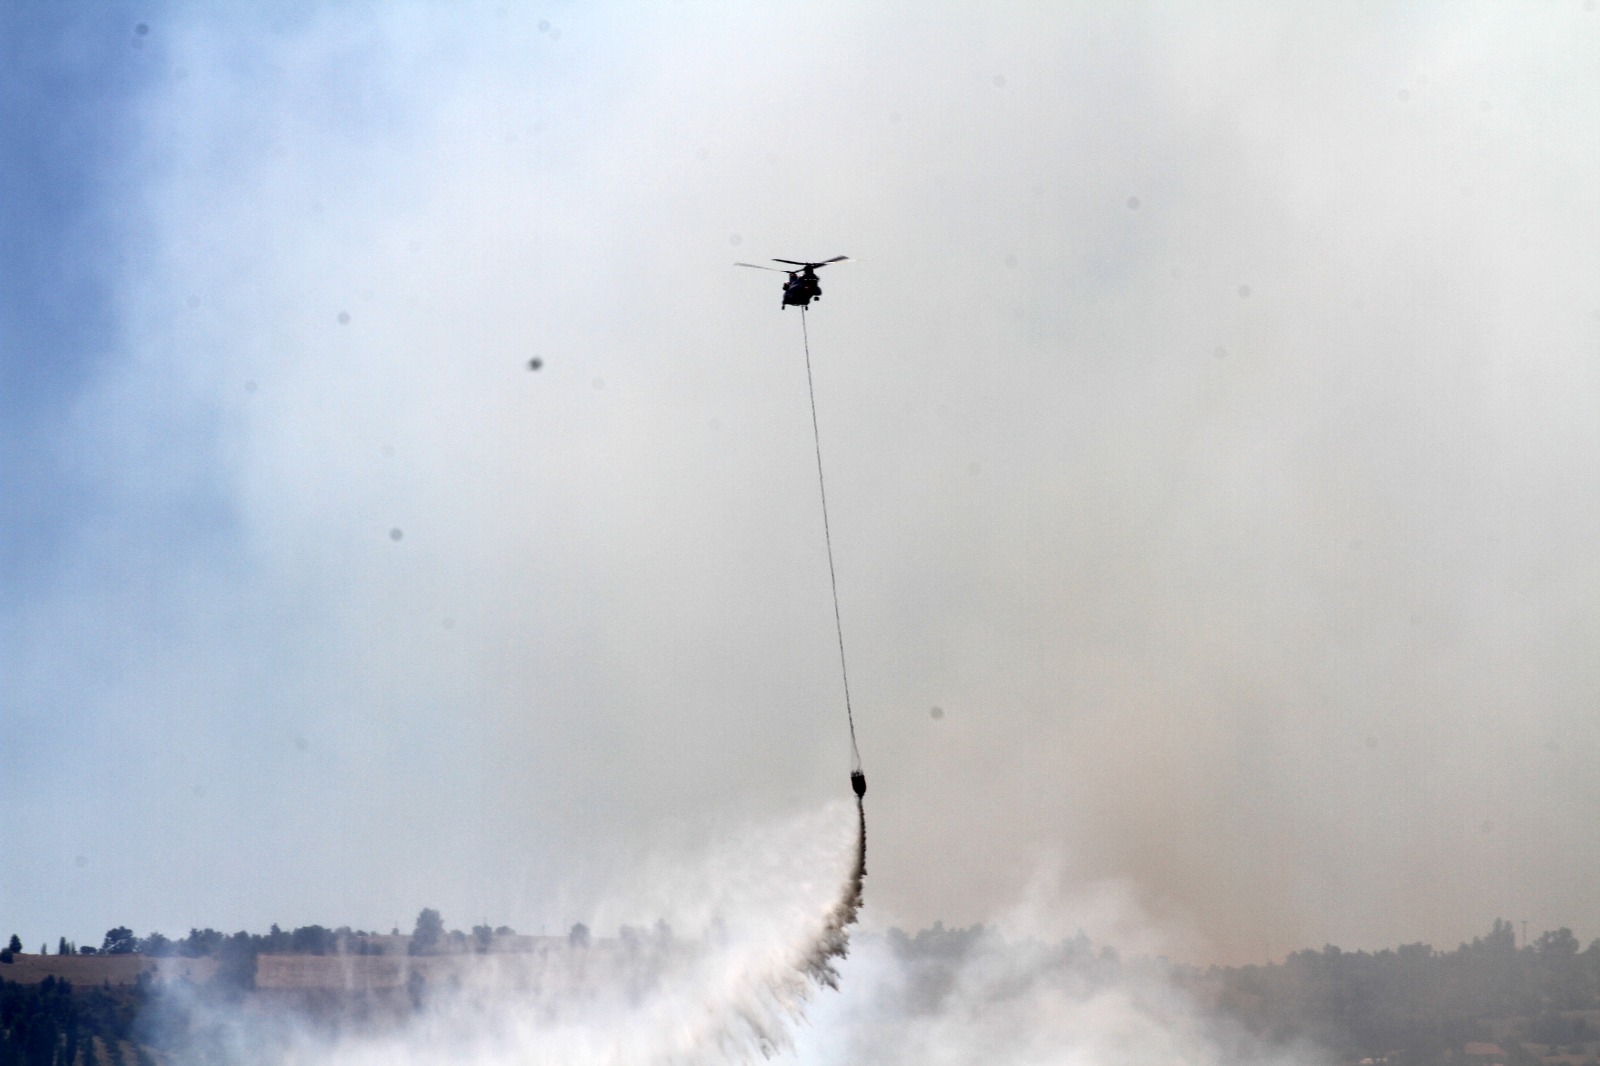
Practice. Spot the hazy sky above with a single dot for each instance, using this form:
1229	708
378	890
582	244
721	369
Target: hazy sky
1211	432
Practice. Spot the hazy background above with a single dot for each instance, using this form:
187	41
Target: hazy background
1211	438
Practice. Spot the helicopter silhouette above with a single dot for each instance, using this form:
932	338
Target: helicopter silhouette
802	286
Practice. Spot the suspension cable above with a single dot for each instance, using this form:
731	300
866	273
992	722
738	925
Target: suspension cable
827	536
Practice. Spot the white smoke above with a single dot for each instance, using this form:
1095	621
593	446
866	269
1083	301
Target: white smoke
728	951
748	937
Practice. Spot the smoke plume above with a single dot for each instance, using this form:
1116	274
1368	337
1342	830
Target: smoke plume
724	961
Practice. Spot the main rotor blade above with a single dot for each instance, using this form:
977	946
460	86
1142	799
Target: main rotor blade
825	262
755	266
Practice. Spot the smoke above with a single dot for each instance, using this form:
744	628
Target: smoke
728	952
1001	1001
768	912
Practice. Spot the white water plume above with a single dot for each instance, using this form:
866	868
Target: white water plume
765	914
762	920
741	940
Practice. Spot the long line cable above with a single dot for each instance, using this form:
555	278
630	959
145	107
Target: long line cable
827	536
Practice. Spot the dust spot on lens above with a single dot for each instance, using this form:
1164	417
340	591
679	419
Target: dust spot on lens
388	451
974	469
1244	292
80	861
936	713
302	743
599	384
894	118
344	318
1372	743
1553	746
1133	203
999	81
1011	262
448	623
735	240
142	29
535	363
1487	827
1404	94
396	533
192	301
1219	352
544	25
249	386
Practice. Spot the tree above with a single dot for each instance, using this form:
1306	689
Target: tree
482	937
199	943
63	948
236	963
16	944
311	940
119	941
579	936
425	937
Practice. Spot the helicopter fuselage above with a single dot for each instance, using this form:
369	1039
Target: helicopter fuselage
801	288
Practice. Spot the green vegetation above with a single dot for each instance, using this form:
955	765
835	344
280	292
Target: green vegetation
1417	1006
51	1024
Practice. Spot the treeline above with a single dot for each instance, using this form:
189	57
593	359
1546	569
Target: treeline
1407	1006
207	943
429	937
1417	1005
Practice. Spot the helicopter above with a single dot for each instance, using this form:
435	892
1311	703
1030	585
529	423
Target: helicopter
802	286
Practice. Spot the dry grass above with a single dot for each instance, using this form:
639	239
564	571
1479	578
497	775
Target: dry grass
85	971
